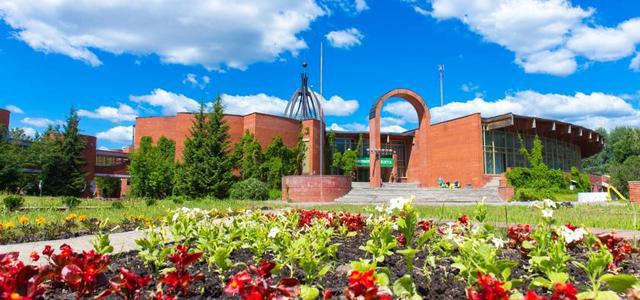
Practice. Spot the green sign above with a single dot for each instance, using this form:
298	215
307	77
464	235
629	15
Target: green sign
385	162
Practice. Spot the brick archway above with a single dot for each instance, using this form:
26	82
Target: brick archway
417	164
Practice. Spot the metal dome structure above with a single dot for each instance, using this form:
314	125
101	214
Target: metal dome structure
304	104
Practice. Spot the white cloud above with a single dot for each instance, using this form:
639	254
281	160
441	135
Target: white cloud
545	35
192	79
469	87
635	63
401	109
40	122
336	106
361	5
345	38
170	103
606	44
210	33
242	105
392	129
349	127
14	109
28	131
589	110
122	113
118	134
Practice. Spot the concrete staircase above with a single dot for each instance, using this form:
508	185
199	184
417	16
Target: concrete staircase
361	193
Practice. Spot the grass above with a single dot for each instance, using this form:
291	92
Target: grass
594	216
48	207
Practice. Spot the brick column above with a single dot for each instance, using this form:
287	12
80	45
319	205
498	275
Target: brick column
634	191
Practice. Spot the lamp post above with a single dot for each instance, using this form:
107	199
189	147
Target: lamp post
377	154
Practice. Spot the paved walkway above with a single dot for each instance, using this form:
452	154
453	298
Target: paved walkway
121	242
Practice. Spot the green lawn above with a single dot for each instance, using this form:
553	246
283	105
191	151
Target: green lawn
598	216
595	216
48	208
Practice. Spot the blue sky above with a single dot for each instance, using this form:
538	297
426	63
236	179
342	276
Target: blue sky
576	61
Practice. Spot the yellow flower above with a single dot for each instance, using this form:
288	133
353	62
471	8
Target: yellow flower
82	218
9	225
23	220
40	220
71	217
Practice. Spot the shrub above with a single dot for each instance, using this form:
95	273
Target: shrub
530	194
13	202
178	199
275	194
150	201
583	184
250	189
117	205
71	202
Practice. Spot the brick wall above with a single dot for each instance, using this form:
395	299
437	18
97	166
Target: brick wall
4	118
634	191
454	152
314	188
177	128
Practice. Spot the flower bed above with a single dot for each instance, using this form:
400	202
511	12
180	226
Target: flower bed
309	254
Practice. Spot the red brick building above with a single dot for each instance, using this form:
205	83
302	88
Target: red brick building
470	150
98	163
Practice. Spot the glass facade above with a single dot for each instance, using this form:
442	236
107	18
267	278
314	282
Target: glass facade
108	161
502	150
362	174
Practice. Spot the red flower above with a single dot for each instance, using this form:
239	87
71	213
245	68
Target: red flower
401	239
531	295
34	256
619	248
564	291
178	281
327	295
570	226
47	251
464	220
425	224
237	283
363	285
489	289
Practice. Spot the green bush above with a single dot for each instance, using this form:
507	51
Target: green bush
583	183
150	201
179	199
71	202
275	194
117	205
531	194
250	189
13	202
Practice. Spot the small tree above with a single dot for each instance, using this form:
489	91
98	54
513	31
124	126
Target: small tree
63	166
627	171
247	157
9	164
206	169
152	168
348	162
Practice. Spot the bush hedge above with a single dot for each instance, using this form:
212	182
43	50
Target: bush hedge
13	202
250	189
71	202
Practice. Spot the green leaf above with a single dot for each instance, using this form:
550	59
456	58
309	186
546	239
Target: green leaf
619	283
558	277
404	288
309	292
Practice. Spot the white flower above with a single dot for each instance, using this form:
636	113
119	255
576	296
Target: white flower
273	232
394	226
498	243
549	203
399	203
379	208
571	236
547	213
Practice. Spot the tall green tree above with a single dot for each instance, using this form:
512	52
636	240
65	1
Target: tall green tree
627	171
63	166
206	168
152	168
248	157
9	163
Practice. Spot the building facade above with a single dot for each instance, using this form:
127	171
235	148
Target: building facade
470	150
98	163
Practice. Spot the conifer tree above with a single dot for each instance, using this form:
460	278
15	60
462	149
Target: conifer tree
63	168
9	163
206	169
